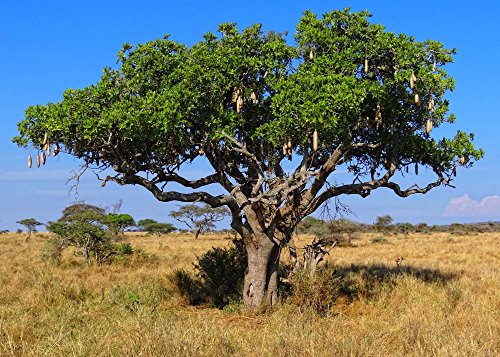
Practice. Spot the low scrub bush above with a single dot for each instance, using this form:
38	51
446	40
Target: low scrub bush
189	287
379	240
218	278
317	292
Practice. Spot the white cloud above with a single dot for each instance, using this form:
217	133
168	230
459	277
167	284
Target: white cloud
464	206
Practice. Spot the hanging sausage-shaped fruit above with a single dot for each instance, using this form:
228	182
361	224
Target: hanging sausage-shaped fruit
253	98
413	79
430	106
239	104
315	140
235	95
417	99
428	126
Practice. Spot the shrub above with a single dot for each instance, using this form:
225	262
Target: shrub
404	228
314	226
222	270
189	287
123	249
422	228
379	240
218	279
317	292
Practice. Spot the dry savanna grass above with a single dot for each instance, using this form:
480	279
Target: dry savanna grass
442	299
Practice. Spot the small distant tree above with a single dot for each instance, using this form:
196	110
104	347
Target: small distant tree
383	223
120	221
199	219
344	231
422	228
404	228
155	228
86	228
142	223
30	224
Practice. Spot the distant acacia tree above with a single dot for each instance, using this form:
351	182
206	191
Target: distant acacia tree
30	224
383	223
85	227
156	228
120	221
199	218
79	207
142	223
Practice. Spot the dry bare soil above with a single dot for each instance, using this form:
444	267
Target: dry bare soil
443	300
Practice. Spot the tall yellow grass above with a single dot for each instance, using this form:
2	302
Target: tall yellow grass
133	310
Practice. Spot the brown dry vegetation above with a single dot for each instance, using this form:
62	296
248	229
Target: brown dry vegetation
443	300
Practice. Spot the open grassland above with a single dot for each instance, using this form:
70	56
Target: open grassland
442	300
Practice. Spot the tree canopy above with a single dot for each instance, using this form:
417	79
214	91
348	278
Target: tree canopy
346	94
85	227
157	228
30	224
199	219
120	221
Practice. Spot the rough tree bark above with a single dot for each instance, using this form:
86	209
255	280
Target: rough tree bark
260	289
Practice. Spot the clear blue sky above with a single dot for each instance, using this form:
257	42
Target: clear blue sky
49	46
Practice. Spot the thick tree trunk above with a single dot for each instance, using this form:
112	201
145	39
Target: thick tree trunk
260	290
197	233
